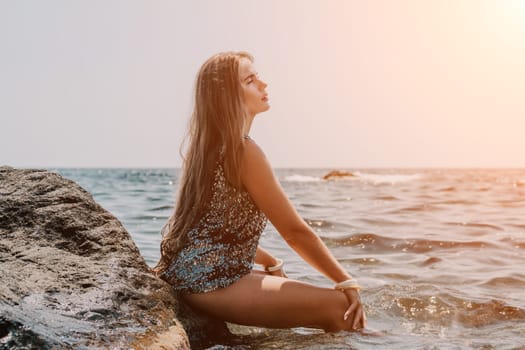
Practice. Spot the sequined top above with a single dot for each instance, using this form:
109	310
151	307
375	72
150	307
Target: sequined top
221	248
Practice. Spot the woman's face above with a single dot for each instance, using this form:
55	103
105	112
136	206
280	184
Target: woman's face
255	96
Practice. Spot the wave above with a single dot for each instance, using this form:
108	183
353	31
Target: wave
363	261
508	281
474	224
311	205
416	208
145	217
457	202
161	208
521	226
378	179
375	221
512	203
513	242
301	178
446	309
386	198
431	261
319	223
374	242
370	240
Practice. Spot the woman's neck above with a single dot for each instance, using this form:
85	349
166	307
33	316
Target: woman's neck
249	124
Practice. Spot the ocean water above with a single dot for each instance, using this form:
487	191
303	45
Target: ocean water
440	253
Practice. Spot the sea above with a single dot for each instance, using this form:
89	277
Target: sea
439	253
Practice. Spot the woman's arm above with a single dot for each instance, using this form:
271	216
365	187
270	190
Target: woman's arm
258	178
265	190
264	258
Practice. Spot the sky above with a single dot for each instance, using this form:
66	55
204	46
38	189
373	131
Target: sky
352	84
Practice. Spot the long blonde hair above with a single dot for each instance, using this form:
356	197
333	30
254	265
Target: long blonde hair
218	122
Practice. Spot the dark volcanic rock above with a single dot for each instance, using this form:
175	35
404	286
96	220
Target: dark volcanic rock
72	277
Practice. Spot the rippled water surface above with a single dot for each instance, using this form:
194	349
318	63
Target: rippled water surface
440	253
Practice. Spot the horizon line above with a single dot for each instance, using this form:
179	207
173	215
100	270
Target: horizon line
282	167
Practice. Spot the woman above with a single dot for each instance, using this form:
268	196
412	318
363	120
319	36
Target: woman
227	191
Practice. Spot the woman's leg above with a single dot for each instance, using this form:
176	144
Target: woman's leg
275	302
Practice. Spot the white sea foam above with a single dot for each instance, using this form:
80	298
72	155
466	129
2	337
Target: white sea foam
387	178
301	178
367	177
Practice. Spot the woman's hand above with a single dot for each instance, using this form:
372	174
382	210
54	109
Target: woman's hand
265	259
279	273
355	312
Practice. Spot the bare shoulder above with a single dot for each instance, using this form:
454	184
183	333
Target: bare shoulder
253	156
251	148
256	169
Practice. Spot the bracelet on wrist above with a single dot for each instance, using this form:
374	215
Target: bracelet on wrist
276	267
347	284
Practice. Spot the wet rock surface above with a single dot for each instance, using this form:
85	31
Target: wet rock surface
337	174
72	277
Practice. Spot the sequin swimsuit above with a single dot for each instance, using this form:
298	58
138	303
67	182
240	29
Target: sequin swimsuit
221	248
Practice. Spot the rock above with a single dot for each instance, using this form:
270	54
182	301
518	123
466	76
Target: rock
337	174
72	277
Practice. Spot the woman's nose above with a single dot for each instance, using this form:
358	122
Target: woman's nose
263	84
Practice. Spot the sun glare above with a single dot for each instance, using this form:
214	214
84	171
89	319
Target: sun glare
513	14
504	22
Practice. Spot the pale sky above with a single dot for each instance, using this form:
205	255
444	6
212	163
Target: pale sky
352	84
